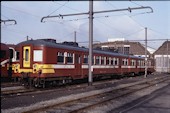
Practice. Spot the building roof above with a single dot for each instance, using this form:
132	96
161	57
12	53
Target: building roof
136	48
164	49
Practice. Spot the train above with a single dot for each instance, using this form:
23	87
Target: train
43	61
6	62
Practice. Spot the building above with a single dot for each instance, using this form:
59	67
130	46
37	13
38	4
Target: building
124	47
162	58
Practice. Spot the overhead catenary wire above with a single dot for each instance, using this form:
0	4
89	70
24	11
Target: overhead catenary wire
58	8
126	14
4	16
110	26
24	12
75	19
69	7
135	3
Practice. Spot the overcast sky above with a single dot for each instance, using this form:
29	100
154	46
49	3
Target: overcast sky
130	26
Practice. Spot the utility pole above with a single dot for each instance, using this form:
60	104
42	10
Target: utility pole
90	13
167	57
146	62
90	42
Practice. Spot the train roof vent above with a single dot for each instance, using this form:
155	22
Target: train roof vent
49	40
75	44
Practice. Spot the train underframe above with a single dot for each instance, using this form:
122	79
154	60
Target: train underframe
28	81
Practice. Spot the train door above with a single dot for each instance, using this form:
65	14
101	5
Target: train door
78	65
11	58
26	56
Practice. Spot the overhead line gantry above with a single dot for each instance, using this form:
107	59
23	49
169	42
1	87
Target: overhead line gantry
90	13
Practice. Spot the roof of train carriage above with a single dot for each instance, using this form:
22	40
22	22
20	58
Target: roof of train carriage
52	43
3	46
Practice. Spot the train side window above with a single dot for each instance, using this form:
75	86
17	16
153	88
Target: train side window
17	55
123	61
79	61
116	61
133	62
107	60
126	62
38	56
97	60
85	59
60	57
138	62
26	54
70	58
2	54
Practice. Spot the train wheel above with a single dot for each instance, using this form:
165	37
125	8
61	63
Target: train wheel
132	74
36	82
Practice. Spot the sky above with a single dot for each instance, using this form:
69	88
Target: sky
123	24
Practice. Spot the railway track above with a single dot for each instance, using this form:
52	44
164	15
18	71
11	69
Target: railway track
9	84
13	91
21	90
88	102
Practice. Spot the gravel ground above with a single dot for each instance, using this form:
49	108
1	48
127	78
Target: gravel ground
19	103
111	106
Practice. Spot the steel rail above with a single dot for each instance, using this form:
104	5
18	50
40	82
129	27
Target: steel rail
92	97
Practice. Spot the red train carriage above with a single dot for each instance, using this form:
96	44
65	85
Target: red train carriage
44	61
5	58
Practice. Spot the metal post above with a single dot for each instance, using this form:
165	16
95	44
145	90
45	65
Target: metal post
145	53
74	36
90	42
167	58
27	38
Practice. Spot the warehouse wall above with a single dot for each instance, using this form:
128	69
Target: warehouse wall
162	63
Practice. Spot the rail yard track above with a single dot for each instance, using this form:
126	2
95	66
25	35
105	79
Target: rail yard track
11	91
87	102
9	84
